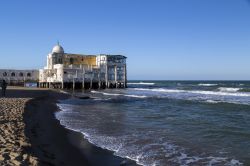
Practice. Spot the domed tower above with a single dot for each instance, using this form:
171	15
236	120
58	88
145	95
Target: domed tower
58	49
56	56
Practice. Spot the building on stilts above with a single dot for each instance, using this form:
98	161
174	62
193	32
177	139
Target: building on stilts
79	71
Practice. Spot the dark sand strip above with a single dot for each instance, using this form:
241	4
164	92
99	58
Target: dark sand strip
53	144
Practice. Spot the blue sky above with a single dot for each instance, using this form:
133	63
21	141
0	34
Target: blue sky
163	39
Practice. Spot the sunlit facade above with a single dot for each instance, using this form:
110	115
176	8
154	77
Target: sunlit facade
66	70
19	77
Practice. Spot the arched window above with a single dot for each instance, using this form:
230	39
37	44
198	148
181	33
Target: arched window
5	74
21	74
28	75
13	74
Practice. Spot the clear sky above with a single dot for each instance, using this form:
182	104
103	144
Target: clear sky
163	39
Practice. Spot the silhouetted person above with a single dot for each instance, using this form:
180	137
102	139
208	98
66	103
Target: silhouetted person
4	86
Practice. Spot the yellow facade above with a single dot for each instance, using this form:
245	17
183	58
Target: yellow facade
78	59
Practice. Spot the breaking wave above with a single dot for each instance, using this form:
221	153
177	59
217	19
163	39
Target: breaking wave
125	146
141	83
225	89
207	84
223	92
118	94
212	101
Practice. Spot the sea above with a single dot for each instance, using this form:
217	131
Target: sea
167	122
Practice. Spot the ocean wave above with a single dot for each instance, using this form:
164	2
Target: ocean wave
218	93
64	92
207	84
118	94
101	99
160	90
141	83
143	154
225	89
212	101
64	107
184	160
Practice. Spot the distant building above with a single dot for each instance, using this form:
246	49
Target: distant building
19	77
66	70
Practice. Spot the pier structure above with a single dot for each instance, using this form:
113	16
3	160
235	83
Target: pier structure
79	71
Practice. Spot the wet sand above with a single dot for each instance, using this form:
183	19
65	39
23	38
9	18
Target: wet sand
32	136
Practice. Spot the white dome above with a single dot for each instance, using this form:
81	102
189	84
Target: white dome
57	49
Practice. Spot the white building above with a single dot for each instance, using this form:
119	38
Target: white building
66	70
19	77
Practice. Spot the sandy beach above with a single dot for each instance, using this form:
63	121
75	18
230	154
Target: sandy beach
30	134
13	141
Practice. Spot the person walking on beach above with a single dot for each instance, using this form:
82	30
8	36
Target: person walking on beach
4	86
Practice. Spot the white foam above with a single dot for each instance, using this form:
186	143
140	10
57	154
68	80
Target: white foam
184	160
207	84
212	101
118	94
64	107
136	96
140	83
108	94
235	162
161	90
225	89
220	93
140	155
100	99
64	92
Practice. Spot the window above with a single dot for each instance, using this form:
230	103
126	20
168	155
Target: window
21	74
5	74
13	74
71	60
28	75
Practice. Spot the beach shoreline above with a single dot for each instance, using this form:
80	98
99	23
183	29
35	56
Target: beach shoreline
50	142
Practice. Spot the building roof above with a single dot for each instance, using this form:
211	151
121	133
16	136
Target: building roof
58	49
